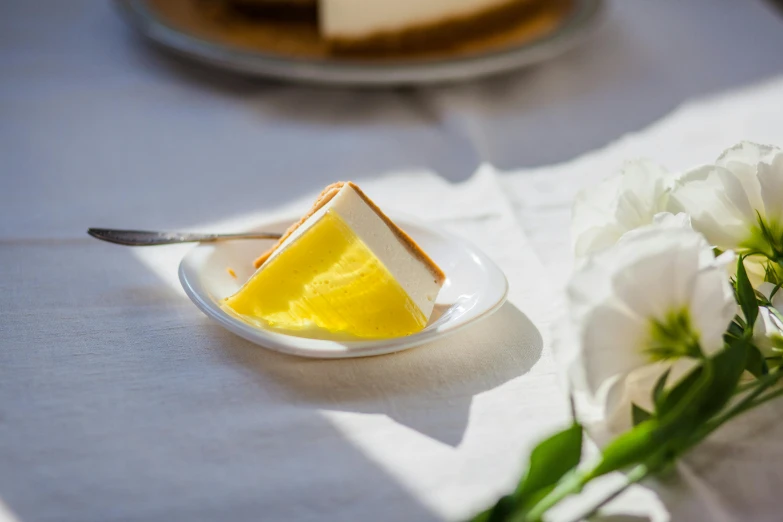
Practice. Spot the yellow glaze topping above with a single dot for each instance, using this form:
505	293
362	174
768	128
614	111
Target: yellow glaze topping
328	282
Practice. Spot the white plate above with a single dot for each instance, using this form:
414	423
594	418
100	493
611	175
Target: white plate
336	71
475	287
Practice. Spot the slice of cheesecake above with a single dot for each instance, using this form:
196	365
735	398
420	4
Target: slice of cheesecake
344	270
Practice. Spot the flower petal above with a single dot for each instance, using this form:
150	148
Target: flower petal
770	176
593	226
637	389
601	214
669	220
651	254
643	194
718	205
712	307
742	160
608	340
765	328
766	289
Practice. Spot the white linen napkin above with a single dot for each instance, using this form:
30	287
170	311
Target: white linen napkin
735	475
449	422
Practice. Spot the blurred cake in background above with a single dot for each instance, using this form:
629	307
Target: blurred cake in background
280	9
366	29
389	25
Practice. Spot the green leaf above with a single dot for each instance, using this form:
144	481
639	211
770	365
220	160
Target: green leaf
727	368
772	275
764	229
531	501
746	295
660	385
734	330
550	460
677	394
708	395
639	414
500	512
765	239
632	447
755	362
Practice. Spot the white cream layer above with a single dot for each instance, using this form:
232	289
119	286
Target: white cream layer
408	270
355	19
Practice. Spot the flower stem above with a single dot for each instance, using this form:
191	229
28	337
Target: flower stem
745	387
571	485
751	400
748	402
574	483
761	400
635	475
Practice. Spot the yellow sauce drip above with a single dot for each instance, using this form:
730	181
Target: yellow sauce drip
328	281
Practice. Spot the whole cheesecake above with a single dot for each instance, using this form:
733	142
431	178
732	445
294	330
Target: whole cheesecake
410	23
395	24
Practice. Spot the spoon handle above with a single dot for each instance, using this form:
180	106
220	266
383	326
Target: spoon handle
147	238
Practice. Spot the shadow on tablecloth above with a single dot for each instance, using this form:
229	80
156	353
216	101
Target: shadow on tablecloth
117	402
428	389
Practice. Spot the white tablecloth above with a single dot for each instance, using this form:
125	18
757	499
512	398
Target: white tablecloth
120	401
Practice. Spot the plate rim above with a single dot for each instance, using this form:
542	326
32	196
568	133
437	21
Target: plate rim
574	29
333	349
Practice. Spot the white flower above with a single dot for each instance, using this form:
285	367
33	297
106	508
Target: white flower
629	200
733	201
658	294
669	220
768	330
768	333
636	388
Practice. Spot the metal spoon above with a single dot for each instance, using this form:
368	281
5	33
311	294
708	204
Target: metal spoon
146	238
